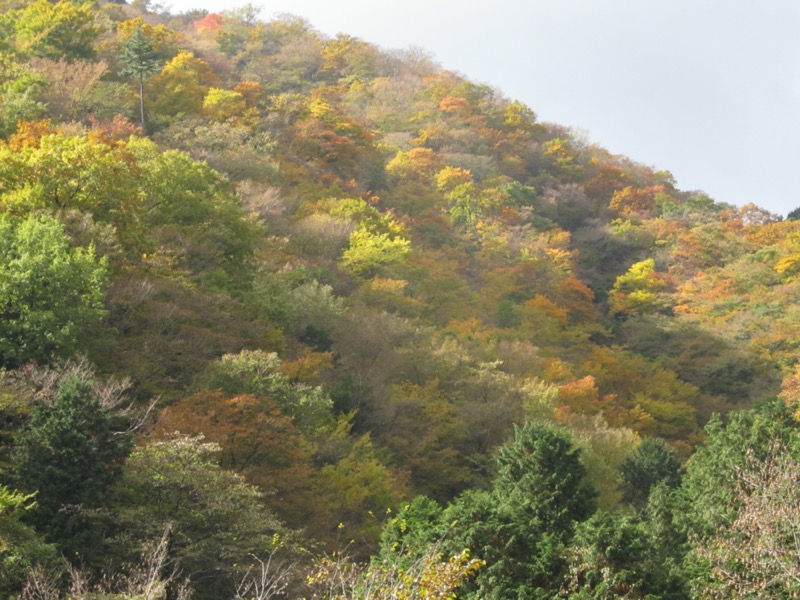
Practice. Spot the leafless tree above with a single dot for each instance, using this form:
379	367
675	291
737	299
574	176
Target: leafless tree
758	555
270	579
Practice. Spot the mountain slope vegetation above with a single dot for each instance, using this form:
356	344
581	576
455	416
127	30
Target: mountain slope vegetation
290	315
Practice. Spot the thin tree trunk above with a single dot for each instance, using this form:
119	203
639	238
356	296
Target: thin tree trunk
141	98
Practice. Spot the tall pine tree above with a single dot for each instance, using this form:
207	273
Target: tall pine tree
139	60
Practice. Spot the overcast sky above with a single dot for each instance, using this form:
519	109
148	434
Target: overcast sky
707	89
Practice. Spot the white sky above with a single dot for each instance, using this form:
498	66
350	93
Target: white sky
707	89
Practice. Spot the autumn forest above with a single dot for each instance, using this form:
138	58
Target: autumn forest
285	315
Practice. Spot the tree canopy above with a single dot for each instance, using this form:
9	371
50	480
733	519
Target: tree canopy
52	294
286	313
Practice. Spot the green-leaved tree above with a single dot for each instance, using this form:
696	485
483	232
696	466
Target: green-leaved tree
51	295
651	463
521	527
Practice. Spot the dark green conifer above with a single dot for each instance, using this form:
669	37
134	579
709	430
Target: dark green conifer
69	455
651	463
522	525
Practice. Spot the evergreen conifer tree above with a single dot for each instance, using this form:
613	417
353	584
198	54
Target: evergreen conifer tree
651	463
139	60
69	455
523	524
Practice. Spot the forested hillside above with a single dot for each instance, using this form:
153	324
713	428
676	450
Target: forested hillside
289	315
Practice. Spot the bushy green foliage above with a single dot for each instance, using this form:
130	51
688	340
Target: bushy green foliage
21	548
258	373
538	496
20	93
194	217
69	455
51	295
520	527
216	521
624	556
650	464
755	555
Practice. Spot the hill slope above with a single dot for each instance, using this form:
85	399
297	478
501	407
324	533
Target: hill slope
353	273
